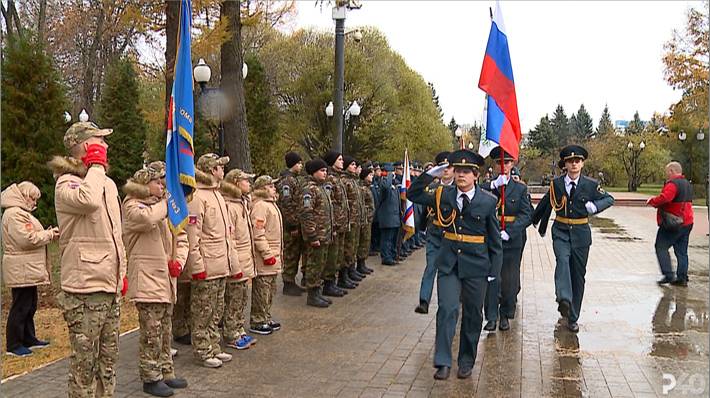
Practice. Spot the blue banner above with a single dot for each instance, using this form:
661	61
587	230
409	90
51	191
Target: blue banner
179	149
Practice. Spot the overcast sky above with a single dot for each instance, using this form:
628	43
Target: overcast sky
567	53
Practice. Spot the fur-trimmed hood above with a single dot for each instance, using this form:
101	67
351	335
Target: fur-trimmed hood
262	194
230	190
141	192
61	165
12	197
204	180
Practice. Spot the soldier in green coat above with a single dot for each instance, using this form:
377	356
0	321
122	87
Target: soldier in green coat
288	188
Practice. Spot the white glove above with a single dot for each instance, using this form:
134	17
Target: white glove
491	278
438	171
500	181
591	207
504	235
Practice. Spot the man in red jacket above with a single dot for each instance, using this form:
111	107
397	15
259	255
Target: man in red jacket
676	198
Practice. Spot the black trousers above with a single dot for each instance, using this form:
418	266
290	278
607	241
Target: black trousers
20	321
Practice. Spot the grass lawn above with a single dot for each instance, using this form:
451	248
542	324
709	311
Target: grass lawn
648	189
50	324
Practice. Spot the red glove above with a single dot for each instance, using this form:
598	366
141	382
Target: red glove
95	154
383	174
270	261
174	268
237	276
124	289
200	276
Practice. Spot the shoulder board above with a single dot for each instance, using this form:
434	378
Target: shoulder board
489	194
595	182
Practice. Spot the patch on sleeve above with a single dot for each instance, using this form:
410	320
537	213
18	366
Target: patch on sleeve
260	223
601	190
192	219
307	201
73	184
142	206
285	191
28	226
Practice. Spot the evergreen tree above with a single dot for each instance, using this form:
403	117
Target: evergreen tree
435	99
606	126
636	125
543	137
262	120
581	125
119	110
560	127
33	103
453	126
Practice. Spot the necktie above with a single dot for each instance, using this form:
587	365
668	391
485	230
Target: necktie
572	190
466	201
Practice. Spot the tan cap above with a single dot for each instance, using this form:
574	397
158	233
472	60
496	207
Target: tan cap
235	175
82	131
209	161
146	175
263	181
158	167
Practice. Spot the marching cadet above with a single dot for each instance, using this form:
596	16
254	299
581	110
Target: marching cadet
152	276
470	252
363	250
93	259
235	188
339	199
388	215
357	214
434	234
268	242
318	231
25	264
516	212
211	260
574	198
374	188
289	197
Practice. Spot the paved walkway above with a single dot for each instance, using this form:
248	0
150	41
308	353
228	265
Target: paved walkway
372	344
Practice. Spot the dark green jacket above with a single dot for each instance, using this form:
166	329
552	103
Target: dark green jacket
517	204
469	260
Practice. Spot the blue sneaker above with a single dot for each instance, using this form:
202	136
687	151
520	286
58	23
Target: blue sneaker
242	343
38	344
20	351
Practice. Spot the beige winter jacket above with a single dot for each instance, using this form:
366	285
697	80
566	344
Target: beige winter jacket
268	230
88	208
24	242
149	246
238	208
208	231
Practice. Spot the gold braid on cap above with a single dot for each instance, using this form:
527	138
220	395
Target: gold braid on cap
553	199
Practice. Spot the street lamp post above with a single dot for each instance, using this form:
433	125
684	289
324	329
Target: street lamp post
699	137
459	134
339	12
345	116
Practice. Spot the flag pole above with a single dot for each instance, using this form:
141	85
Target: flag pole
502	165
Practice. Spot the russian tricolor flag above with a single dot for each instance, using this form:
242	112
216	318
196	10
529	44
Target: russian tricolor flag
502	121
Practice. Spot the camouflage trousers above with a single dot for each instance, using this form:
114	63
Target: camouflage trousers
263	289
334	260
155	361
352	239
93	322
316	258
235	305
181	310
206	308
294	248
363	247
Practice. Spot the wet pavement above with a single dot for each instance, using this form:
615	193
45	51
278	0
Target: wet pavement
636	339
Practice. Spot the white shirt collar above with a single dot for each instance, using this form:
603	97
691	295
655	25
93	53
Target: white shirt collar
569	180
467	193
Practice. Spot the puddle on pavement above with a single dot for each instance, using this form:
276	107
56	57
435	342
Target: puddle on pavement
678	328
612	230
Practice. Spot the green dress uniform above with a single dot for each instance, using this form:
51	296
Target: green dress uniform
502	293
471	250
571	233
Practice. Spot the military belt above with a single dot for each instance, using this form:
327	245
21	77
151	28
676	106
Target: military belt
572	221
436	223
465	238
506	218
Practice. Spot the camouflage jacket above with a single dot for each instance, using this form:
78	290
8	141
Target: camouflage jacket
289	189
316	212
339	198
358	212
369	201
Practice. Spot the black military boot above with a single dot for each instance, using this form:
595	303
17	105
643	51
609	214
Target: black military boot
322	297
343	281
329	289
365	267
292	289
354	275
361	268
313	300
158	389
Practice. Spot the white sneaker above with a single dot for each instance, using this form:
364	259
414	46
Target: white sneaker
173	352
212	363
224	357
